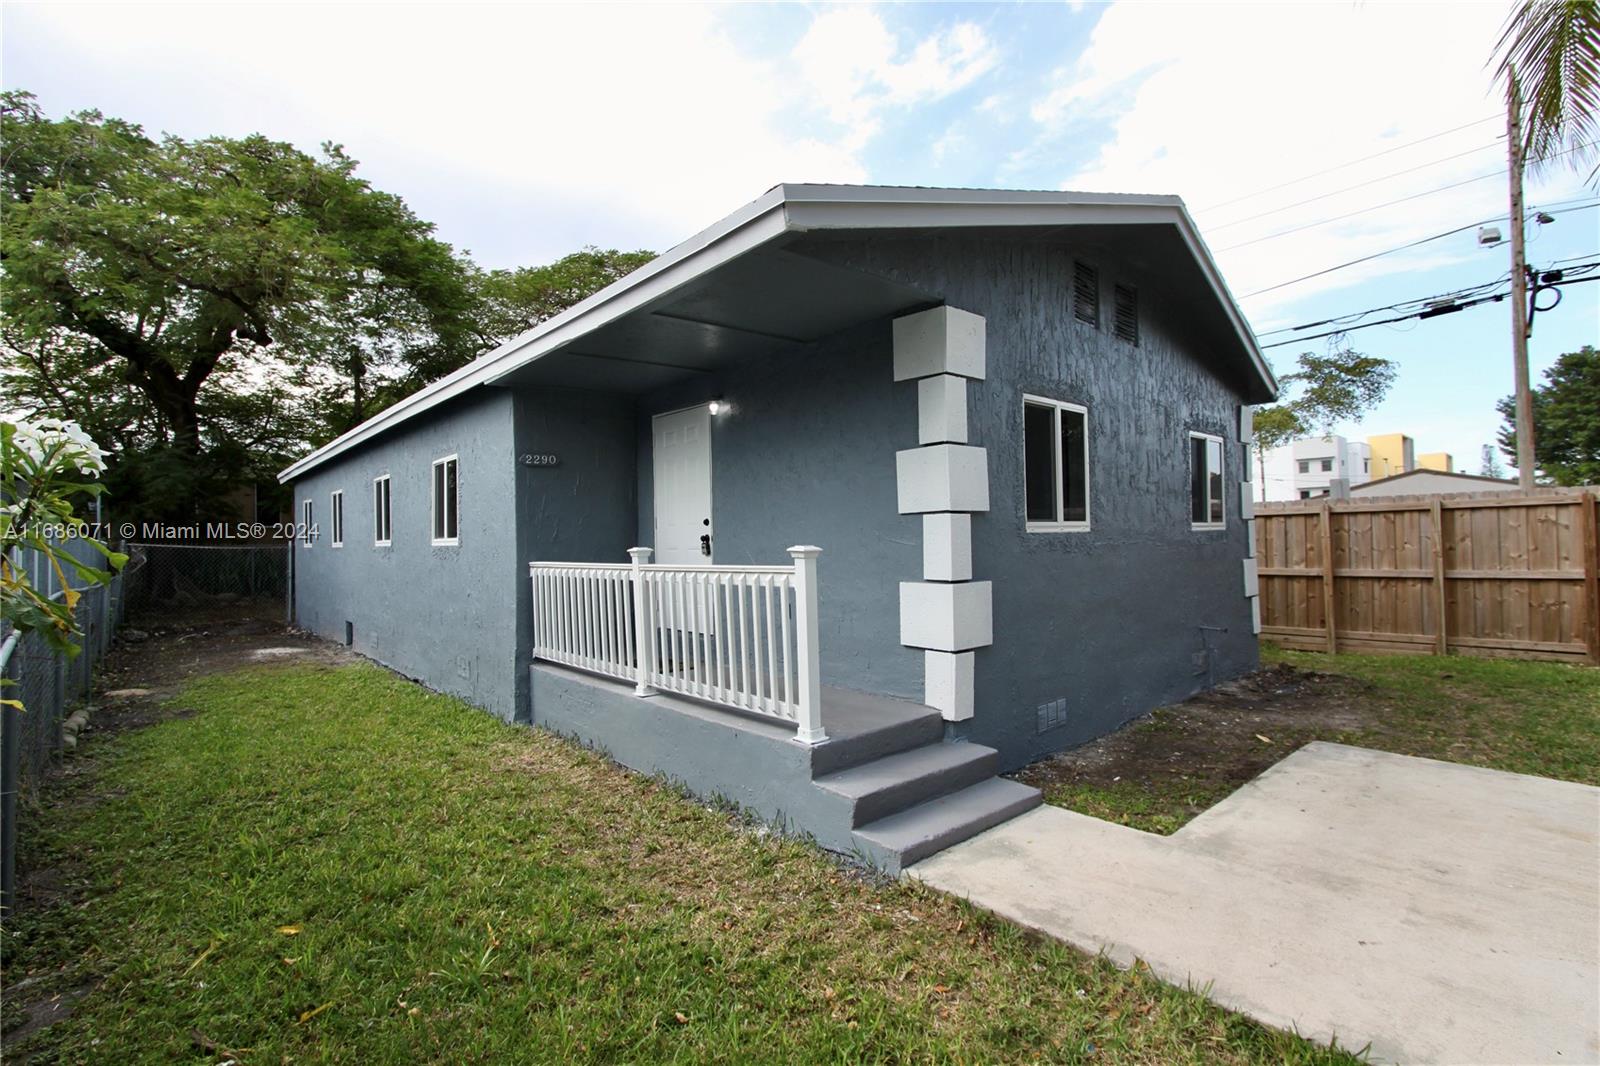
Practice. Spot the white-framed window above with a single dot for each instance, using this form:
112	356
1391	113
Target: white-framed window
1055	463
1207	507
306	522
382	513
1327	466
446	497
336	517
1305	466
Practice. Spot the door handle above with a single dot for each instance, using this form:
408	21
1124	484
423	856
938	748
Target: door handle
705	544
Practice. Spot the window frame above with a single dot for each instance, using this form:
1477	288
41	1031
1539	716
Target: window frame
383	513
1057	525
1222	455
453	511
307	518
336	517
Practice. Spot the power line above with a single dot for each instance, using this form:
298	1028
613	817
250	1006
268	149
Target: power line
1556	208
1452	296
1389	203
1362	211
1352	188
1430	312
1353	162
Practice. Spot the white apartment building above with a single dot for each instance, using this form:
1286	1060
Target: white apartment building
1303	469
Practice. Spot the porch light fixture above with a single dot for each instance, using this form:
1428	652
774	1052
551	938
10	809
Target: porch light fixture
718	405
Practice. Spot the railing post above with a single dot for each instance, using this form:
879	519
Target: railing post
808	708
643	644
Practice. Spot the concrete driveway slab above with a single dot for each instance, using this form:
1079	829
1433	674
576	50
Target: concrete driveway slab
1434	912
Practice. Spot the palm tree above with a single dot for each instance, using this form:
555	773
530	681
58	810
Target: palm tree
1552	48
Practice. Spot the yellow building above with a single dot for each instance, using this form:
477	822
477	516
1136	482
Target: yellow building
1392	453
1441	461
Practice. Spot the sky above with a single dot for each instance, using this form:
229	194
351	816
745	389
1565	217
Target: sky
529	131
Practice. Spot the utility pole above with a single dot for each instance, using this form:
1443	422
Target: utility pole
1519	287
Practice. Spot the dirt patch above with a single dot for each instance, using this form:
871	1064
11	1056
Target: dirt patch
1178	760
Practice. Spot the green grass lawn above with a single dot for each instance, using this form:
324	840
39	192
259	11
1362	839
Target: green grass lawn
1536	718
332	864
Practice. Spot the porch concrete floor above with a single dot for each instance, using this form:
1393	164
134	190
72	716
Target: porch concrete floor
1439	913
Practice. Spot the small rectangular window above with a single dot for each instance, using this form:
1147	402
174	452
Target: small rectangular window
382	527
1086	294
1055	445
446	502
1305	466
336	517
1206	508
1327	466
305	523
1126	311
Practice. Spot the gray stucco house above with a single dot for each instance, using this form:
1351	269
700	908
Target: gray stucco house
932	482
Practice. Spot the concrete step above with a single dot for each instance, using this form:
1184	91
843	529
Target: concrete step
893	783
899	840
862	727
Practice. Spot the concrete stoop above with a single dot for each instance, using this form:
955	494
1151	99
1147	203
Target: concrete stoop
885	788
907	804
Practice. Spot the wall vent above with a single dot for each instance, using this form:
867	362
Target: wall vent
349	634
1125	322
1052	715
1086	294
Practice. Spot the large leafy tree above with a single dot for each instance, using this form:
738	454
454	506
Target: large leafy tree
201	286
514	301
1552	48
1566	420
1341	386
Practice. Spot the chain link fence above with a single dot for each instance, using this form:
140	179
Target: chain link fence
178	577
159	579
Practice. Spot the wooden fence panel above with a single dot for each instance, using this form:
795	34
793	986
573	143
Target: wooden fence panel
1472	573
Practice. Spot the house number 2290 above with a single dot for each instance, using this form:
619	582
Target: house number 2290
539	459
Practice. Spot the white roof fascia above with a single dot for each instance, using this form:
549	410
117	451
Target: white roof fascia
786	208
754	224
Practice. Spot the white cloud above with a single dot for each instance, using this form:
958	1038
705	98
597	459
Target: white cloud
1214	102
852	67
522	129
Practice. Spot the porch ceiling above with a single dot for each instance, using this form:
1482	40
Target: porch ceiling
764	303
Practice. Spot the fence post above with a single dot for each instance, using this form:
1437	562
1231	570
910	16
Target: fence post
1589	520
1441	598
643	643
10	778
1327	576
808	708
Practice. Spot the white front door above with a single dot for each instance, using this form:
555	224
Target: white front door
682	449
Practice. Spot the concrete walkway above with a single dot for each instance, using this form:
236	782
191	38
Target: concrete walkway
1439	913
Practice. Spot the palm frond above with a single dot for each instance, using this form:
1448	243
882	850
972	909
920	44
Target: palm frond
1553	48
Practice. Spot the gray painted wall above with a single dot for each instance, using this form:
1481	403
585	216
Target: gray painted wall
1140	611
443	615
582	510
1108	620
459	618
803	457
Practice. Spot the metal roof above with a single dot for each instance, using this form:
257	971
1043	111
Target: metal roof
793	209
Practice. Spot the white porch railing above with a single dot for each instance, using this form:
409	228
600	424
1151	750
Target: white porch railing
740	636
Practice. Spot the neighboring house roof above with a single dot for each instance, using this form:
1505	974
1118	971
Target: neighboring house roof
800	209
1394	484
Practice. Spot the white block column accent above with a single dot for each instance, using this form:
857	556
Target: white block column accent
946	480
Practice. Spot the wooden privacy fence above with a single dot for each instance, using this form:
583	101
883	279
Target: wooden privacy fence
1474	573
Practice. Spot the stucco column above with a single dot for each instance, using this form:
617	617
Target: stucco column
946	480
